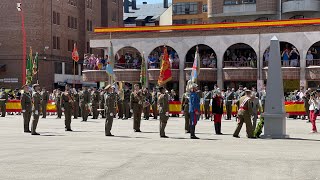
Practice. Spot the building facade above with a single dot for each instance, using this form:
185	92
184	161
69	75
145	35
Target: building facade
190	12
52	27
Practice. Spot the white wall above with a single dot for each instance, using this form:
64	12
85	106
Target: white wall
166	17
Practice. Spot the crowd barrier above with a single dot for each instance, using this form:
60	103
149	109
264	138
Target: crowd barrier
292	108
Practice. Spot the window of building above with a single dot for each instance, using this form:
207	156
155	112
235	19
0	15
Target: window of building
235	2
56	18
187	21
57	67
55	42
205	8
185	8
69	68
297	17
89	50
72	2
71	44
89	25
72	22
89	4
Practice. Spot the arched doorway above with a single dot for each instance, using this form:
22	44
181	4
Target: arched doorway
312	56
240	55
128	58
290	56
208	58
154	58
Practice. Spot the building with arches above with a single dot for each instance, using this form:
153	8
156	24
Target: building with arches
238	55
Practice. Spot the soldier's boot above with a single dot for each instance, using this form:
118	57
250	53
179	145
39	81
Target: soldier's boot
192	132
216	128
34	127
219	128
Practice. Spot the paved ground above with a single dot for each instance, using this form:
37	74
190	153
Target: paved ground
87	154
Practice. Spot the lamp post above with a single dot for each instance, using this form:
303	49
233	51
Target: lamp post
24	42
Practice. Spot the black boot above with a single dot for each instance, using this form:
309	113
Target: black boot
216	128
192	132
219	128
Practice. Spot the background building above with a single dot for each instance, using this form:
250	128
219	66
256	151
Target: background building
52	27
190	12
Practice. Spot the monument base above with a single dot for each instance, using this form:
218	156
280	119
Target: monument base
274	126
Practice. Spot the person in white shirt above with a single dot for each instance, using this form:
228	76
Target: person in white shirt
309	58
314	109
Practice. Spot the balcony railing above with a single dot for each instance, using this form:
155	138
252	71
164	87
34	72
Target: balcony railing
190	64
300	5
314	62
231	64
286	63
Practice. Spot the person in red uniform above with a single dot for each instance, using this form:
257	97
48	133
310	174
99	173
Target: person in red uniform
217	112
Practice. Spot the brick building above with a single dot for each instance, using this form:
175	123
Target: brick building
51	29
190	12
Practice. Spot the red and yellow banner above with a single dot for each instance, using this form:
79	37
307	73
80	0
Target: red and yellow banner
165	71
251	24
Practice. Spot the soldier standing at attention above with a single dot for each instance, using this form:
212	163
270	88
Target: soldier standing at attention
194	110
185	110
217	112
101	102
84	103
120	98
244	115
75	97
136	104
67	106
163	106
26	106
57	99
229	97
110	109
240	92
206	99
44	102
36	98
147	103
154	103
95	98
3	102
126	102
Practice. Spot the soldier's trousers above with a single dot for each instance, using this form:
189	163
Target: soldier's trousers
44	109
102	112
254	120
120	109
3	109
59	111
126	109
155	111
229	110
84	112
187	121
34	123
95	112
207	109
67	120
76	110
26	120
137	110
163	124
108	125
247	120
193	122
146	112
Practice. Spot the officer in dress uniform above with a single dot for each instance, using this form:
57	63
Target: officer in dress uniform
44	101
163	106
101	102
3	101
110	109
76	103
194	110
95	98
185	110
154	103
217	111
229	98
84	103
36	98
206	98
244	115
26	106
240	92
136	104
67	106
57	99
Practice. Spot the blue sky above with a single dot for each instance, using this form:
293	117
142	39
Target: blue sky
151	1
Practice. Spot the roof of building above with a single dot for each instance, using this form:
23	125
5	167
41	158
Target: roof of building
154	11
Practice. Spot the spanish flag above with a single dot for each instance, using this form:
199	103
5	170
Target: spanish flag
165	71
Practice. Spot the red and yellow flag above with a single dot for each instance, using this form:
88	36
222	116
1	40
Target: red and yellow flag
165	71
75	54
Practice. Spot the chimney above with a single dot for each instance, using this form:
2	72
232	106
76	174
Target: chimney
126	6
134	4
165	4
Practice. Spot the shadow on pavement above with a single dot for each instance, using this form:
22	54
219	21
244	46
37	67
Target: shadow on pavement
301	139
130	137
205	139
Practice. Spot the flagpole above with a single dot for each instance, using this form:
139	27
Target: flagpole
74	74
24	45
37	68
110	77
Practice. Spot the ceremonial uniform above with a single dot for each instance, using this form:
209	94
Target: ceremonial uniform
57	99
3	102
163	106
84	104
76	105
230	96
110	110
36	98
67	104
136	104
217	111
194	110
154	102
101	104
44	102
26	106
126	104
206	98
244	115
146	108
185	109
95	98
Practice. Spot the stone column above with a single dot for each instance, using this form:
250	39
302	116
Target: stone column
63	68
182	80
79	69
303	65
147	67
220	70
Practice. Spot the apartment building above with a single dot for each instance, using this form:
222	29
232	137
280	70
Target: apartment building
190	12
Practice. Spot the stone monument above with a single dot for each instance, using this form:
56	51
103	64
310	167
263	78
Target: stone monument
274	114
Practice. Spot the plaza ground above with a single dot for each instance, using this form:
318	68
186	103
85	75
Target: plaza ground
86	153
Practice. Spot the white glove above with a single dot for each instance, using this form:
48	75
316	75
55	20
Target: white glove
167	113
36	112
62	109
23	111
111	114
131	110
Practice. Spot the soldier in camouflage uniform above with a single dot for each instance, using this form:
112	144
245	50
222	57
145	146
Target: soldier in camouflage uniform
110	109
101	102
126	102
67	106
154	103
95	98
3	101
84	103
57	99
185	110
136	104
26	106
36	98
163	106
44	102
76	104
